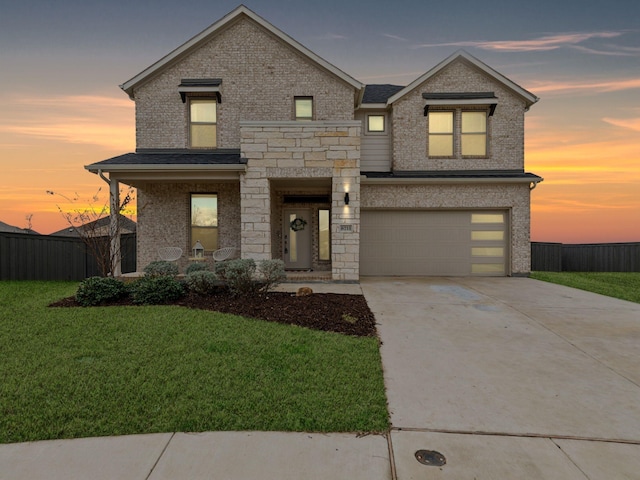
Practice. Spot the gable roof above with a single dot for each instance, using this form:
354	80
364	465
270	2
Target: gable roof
212	30
379	93
528	97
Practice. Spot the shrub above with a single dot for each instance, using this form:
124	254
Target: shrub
197	267
272	272
201	282
97	290
238	275
220	269
155	290
161	268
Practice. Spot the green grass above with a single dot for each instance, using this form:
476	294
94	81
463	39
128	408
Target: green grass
79	372
625	286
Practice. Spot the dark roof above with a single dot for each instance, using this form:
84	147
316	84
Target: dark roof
379	93
459	96
174	157
5	227
455	174
200	82
126	226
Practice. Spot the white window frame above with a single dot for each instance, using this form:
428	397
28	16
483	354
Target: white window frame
212	100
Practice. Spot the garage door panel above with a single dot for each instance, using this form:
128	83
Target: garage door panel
446	243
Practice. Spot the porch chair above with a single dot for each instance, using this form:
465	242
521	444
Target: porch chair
225	253
169	254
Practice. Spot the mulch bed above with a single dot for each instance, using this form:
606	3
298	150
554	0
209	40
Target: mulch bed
331	312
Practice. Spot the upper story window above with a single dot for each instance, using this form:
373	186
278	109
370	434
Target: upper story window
458	133
440	134
203	122
376	124
473	134
303	107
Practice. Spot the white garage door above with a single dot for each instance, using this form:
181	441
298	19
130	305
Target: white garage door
447	243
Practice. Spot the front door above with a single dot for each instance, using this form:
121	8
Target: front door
296	237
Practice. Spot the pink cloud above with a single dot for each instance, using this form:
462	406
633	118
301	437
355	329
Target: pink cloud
545	43
630	123
593	86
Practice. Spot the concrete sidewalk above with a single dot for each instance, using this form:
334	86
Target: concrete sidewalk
509	378
213	455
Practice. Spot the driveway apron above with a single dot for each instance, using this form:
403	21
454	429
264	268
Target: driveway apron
527	367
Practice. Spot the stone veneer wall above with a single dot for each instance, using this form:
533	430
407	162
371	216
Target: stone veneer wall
505	127
302	150
514	198
164	218
260	77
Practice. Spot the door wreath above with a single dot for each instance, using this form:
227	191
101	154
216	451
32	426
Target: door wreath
297	224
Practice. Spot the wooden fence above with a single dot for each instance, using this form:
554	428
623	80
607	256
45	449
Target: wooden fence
600	257
44	257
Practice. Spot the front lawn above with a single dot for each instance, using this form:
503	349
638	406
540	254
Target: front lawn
625	286
79	372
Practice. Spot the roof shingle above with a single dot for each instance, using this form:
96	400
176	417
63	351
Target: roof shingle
379	93
174	157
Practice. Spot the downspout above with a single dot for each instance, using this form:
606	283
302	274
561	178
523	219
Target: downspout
115	257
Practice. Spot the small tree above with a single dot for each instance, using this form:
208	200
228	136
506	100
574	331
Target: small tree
89	223
29	219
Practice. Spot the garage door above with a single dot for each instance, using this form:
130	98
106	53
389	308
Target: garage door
447	243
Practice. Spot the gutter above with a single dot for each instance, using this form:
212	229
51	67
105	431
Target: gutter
166	168
364	180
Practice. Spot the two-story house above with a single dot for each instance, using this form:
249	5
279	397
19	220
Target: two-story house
246	138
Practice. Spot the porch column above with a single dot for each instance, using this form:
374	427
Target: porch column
345	227
255	215
115	257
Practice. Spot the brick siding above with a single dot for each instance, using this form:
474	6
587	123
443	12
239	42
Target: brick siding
506	126
260	77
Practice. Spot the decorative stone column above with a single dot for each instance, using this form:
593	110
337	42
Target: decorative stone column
255	215
303	150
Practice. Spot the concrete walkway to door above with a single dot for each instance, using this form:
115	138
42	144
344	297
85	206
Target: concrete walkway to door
509	378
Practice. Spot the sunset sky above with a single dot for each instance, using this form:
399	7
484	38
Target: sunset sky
61	64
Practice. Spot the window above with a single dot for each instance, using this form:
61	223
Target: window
474	133
204	220
460	133
202	122
440	134
375	123
324	240
487	218
303	108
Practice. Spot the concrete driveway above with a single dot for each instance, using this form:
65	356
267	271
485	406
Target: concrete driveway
509	378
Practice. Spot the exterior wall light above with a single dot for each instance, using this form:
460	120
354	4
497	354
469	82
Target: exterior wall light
346	198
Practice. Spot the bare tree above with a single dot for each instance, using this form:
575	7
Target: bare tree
91	223
29	218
